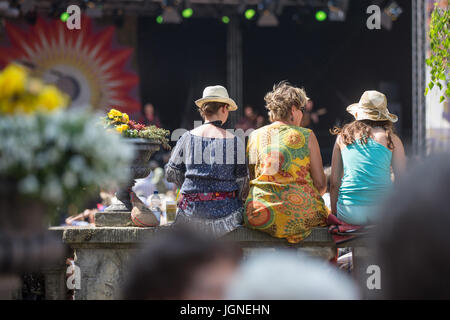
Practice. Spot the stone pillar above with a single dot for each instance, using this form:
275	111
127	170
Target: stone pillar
234	68
418	76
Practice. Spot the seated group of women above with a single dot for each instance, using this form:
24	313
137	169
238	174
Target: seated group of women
275	183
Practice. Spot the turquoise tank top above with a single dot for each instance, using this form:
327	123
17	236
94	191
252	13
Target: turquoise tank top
367	173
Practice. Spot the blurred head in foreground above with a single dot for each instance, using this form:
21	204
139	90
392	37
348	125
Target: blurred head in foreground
182	265
289	276
412	242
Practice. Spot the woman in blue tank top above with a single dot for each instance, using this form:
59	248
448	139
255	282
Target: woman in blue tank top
364	153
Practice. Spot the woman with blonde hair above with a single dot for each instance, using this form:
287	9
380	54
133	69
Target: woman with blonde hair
365	151
286	172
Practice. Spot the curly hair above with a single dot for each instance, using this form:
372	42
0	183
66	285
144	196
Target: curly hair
280	100
210	108
362	129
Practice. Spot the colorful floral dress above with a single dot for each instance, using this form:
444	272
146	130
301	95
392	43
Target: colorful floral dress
283	200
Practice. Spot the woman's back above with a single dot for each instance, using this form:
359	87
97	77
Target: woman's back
367	174
283	200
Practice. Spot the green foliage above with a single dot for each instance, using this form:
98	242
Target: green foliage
151	133
440	51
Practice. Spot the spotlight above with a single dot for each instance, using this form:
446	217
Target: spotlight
390	14
187	13
267	19
393	10
338	10
249	14
171	15
64	16
321	15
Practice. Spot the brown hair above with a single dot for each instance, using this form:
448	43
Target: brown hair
210	108
280	100
362	128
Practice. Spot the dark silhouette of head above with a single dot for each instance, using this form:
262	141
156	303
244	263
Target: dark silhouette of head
412	244
181	264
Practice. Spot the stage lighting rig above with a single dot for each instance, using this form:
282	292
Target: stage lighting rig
338	10
267	17
390	14
170	13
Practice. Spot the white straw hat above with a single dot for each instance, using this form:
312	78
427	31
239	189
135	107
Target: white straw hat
372	106
216	94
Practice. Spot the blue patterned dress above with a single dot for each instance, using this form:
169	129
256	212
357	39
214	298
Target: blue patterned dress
205	165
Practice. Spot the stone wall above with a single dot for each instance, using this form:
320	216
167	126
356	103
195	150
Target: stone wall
102	254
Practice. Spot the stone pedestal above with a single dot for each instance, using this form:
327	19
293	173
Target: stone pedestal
119	214
103	254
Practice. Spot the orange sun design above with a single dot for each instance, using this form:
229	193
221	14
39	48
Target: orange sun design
80	62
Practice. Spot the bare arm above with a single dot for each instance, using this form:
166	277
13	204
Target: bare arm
337	172
317	174
398	157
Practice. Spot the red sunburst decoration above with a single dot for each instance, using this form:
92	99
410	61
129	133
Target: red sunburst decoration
82	63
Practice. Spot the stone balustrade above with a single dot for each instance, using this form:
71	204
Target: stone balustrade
102	254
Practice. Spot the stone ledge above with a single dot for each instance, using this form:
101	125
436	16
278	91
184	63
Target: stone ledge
82	236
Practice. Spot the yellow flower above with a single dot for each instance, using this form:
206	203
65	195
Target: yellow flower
113	113
50	98
125	118
122	128
12	80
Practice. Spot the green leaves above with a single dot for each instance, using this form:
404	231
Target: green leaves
440	51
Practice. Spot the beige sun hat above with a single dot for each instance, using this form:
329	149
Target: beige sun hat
372	106
216	94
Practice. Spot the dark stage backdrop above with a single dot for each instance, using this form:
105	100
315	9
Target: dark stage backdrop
176	62
334	61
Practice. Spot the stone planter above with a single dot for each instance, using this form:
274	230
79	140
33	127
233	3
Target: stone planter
25	244
119	214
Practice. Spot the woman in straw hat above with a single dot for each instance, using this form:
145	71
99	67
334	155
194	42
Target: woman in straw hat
208	164
363	155
286	172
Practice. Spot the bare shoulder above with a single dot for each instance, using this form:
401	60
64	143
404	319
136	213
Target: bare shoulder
212	132
396	140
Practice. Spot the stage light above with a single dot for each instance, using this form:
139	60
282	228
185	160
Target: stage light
267	19
225	19
187	13
249	14
64	16
159	19
321	15
337	10
171	15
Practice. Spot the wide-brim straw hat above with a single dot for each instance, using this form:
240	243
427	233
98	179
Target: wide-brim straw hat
217	94
372	106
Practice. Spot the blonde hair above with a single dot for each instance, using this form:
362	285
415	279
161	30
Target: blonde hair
280	100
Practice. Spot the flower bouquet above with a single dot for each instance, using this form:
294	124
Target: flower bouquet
130	129
49	158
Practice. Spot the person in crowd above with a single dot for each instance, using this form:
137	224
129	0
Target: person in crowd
312	117
295	276
249	121
149	116
182	265
364	152
286	172
411	237
208	164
